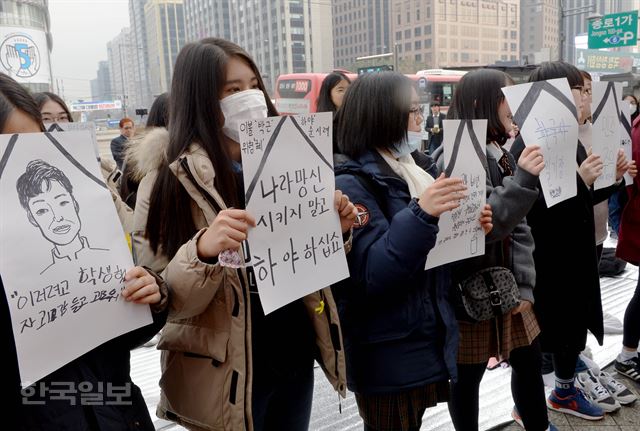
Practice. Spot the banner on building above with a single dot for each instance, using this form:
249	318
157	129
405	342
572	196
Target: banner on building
24	55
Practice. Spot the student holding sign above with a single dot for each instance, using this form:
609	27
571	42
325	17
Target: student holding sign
224	363
400	331
564	285
511	192
94	391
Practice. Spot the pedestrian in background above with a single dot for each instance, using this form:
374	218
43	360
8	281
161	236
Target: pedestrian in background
118	144
433	125
332	92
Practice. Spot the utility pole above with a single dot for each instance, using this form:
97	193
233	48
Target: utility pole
564	13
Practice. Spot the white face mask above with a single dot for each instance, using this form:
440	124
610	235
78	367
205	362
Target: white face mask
408	145
244	105
634	108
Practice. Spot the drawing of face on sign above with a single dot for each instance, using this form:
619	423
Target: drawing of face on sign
56	210
606	129
46	194
545	112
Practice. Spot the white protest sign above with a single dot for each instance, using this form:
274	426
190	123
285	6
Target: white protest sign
460	234
546	114
606	129
297	246
63	253
625	135
71	126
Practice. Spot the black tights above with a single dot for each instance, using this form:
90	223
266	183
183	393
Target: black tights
564	364
527	389
631	321
368	428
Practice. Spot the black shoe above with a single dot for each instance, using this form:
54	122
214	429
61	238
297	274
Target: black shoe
630	368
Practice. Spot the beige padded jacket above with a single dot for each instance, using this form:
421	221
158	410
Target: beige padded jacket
206	344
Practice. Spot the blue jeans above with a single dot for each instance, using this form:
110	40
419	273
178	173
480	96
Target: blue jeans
617	202
282	402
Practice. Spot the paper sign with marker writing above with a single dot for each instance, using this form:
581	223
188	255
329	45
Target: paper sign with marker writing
625	135
606	129
546	114
297	246
70	127
63	253
460	235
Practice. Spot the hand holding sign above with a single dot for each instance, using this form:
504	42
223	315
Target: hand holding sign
532	160
486	218
633	169
443	195
140	287
347	210
227	231
622	164
591	169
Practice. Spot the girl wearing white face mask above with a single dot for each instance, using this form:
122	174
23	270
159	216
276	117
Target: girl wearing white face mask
633	101
225	365
400	331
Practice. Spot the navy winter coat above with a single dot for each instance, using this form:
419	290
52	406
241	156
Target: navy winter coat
399	329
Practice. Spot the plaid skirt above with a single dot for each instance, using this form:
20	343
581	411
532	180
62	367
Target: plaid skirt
400	411
478	341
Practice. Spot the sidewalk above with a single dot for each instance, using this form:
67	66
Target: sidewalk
625	419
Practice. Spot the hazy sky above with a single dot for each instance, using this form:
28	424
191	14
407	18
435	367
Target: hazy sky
81	30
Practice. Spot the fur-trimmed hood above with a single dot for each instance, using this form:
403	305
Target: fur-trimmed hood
146	154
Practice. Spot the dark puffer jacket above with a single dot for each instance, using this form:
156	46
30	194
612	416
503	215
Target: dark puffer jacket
399	329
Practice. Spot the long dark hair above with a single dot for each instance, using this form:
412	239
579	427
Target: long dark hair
195	116
45	96
15	96
478	96
159	112
374	113
325	104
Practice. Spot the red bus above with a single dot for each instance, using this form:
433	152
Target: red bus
297	93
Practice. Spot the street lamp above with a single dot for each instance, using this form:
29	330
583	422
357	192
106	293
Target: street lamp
563	13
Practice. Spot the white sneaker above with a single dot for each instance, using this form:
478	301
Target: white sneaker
596	392
620	392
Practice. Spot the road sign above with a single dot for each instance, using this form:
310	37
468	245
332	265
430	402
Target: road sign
373	69
593	60
616	29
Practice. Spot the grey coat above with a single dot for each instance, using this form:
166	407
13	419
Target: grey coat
511	198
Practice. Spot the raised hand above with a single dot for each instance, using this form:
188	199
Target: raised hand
591	169
443	195
346	209
226	232
531	160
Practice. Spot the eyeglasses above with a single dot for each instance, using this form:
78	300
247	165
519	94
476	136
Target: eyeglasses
583	91
417	111
54	118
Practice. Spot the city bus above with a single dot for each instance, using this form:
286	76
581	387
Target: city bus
297	93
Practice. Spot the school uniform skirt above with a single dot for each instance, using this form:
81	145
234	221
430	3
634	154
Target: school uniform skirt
400	411
479	341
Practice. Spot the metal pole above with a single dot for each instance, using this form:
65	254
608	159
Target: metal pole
395	57
561	31
124	104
